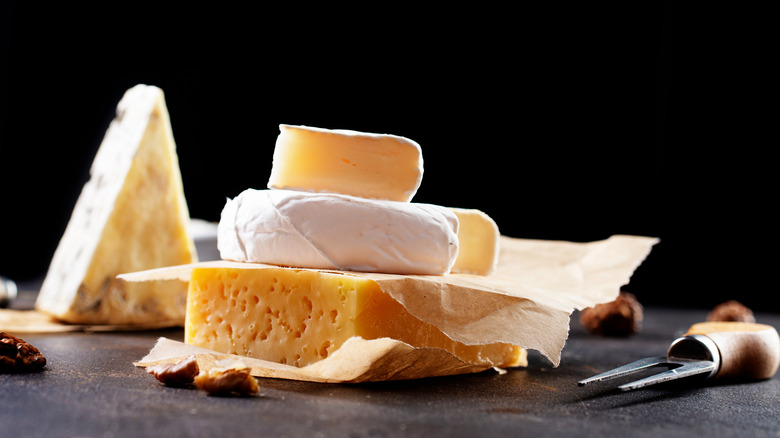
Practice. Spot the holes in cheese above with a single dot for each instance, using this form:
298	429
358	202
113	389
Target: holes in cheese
130	216
478	240
334	231
374	166
298	317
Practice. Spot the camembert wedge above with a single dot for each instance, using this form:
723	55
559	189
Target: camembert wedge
300	316
367	165
131	215
478	241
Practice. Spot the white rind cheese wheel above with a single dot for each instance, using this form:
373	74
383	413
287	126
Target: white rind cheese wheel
373	166
333	231
479	242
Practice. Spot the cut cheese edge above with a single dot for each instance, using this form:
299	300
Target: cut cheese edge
335	231
299	317
478	242
367	165
131	215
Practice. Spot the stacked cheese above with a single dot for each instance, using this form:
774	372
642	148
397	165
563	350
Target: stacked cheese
341	199
336	201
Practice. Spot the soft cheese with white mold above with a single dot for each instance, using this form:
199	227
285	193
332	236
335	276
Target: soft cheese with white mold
368	165
334	231
479	242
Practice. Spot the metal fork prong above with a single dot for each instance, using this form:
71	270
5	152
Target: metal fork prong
630	368
683	369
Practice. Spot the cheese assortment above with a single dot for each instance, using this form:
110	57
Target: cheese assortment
367	165
314	221
131	215
333	231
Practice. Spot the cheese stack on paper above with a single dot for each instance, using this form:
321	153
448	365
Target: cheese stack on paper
323	212
131	215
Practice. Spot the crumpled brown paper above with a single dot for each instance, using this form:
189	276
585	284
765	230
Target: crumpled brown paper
358	360
527	302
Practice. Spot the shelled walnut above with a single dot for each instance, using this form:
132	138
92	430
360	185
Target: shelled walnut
621	317
177	374
227	381
228	378
731	310
16	355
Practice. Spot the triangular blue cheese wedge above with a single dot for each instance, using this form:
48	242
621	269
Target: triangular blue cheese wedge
131	215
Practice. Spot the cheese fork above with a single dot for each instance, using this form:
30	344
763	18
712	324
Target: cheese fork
733	350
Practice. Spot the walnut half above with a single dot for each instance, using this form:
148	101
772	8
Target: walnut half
16	355
229	378
235	380
179	374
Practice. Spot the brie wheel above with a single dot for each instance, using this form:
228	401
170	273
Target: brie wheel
341	232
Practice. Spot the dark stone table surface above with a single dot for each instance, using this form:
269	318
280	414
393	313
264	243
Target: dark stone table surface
90	388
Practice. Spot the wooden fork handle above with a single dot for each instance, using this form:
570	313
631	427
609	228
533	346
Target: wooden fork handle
748	351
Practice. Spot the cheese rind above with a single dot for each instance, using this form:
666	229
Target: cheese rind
368	165
479	242
334	231
131	215
299	316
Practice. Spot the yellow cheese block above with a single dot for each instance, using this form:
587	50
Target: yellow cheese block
478	240
131	215
374	166
299	317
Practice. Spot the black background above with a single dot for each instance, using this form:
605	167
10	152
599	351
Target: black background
561	121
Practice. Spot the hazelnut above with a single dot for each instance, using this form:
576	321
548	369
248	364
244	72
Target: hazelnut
731	310
621	317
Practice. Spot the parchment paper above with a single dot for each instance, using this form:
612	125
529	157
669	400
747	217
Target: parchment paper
358	360
22	321
527	302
